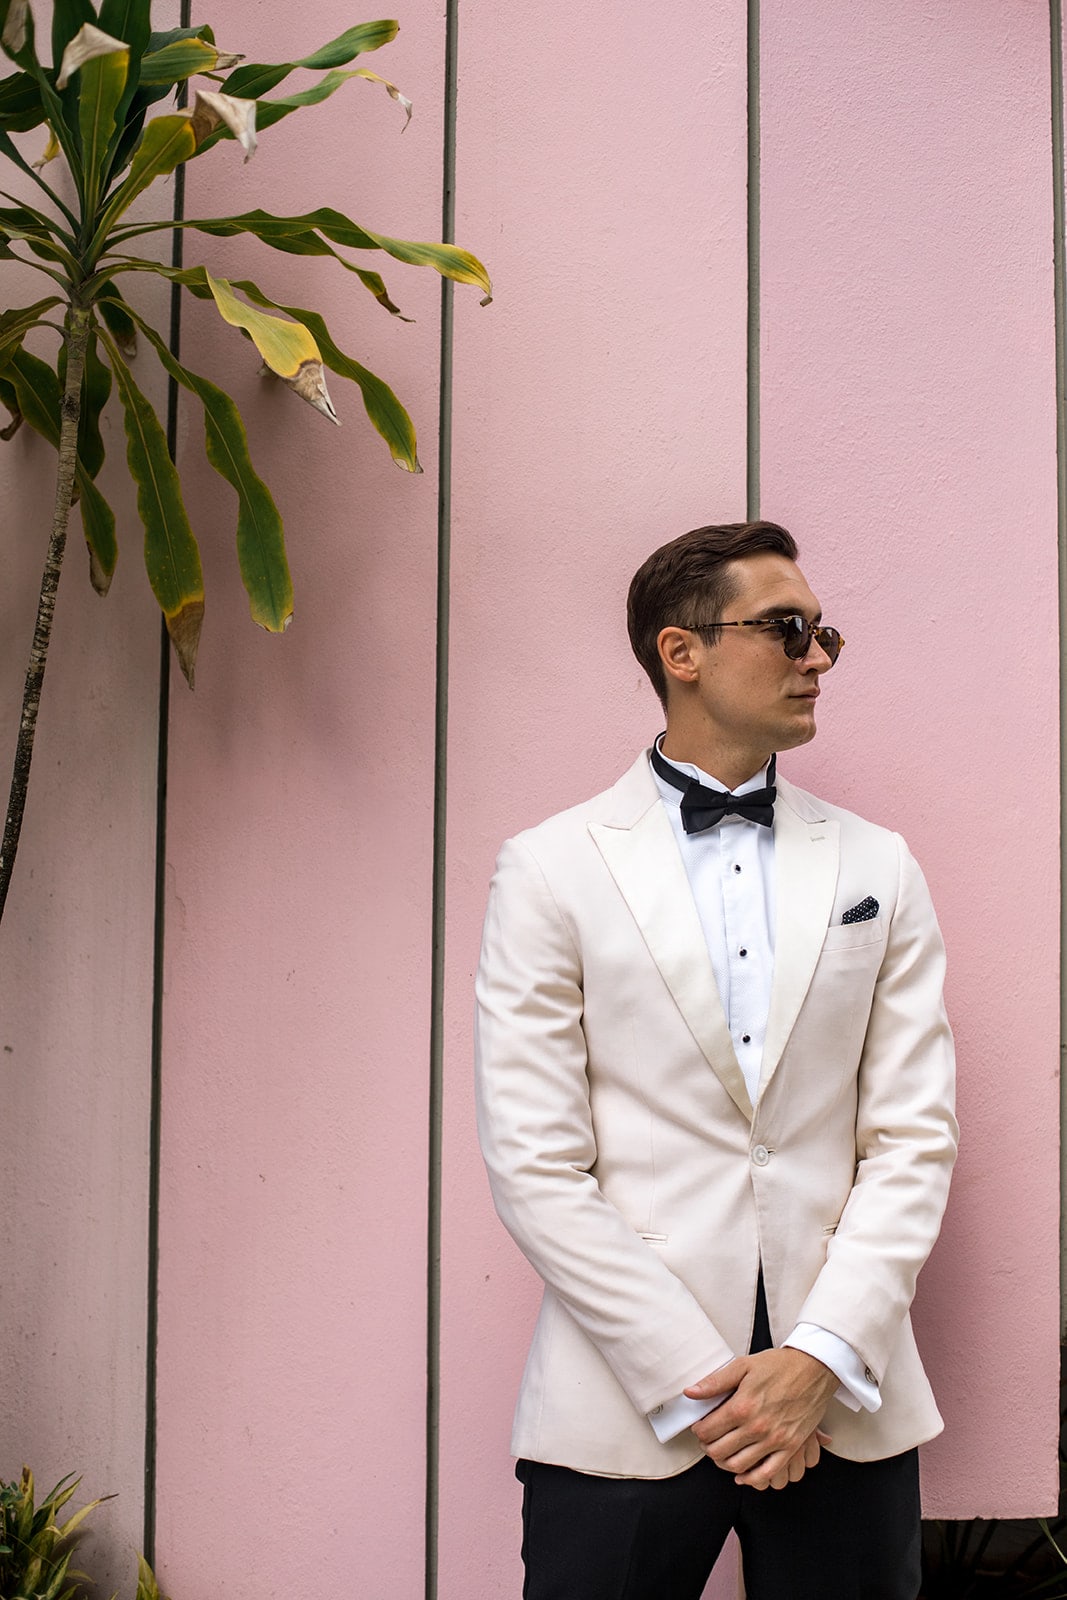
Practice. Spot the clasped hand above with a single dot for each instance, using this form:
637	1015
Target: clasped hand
767	1432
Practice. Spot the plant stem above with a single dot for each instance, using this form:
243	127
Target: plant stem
79	321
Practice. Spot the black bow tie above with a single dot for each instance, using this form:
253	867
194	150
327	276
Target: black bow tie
702	807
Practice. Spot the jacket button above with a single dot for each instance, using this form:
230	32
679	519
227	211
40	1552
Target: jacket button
761	1155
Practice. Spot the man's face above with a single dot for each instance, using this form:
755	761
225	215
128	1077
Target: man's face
751	694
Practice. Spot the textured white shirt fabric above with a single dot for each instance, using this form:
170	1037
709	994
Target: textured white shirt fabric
731	872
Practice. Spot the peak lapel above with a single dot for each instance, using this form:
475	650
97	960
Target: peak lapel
806	854
643	858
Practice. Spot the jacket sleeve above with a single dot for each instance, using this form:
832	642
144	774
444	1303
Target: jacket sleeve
539	1145
906	1137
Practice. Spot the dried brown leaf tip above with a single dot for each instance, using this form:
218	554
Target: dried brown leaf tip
184	629
211	111
309	382
86	45
14	35
391	90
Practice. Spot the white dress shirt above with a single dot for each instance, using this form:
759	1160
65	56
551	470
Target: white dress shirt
731	873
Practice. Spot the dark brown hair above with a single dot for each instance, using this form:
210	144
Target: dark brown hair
689	581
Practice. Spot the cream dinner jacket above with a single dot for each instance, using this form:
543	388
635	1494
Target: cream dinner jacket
628	1162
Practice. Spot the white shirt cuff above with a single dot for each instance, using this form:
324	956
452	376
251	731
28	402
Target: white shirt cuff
859	1387
674	1416
858	1390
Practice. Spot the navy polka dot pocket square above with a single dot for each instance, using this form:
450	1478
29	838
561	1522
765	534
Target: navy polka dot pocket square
864	912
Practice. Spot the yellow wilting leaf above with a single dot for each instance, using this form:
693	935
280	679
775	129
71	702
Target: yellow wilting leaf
287	348
51	150
390	88
210	110
14	36
86	44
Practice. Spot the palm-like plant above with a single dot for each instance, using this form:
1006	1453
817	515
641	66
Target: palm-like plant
36	1549
109	70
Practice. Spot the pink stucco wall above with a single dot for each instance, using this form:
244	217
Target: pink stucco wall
292	1270
599	410
908	433
599	407
76	988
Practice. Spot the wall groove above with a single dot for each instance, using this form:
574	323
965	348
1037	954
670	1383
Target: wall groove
437	958
1056	62
177	253
752	469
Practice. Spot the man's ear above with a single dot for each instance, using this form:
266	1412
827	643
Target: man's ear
678	650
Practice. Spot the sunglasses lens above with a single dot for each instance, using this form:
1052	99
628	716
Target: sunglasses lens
830	641
796	640
798	634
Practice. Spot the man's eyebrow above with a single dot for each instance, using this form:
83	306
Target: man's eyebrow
770	613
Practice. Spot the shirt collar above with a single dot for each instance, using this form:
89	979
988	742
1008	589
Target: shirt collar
757	780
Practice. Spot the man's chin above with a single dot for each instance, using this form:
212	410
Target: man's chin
797	733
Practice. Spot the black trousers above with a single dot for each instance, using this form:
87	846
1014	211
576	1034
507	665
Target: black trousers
849	1530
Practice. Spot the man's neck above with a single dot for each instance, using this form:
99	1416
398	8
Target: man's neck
730	766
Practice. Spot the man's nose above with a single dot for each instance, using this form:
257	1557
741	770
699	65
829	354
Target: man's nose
815	658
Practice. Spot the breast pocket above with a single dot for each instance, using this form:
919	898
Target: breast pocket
853	936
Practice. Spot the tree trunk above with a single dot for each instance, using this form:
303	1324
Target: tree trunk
78	326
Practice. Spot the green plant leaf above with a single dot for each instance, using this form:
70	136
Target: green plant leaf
96	387
376	284
67	18
47	223
98	525
172	557
147	1587
272	111
381	404
287	348
9	149
165	143
300	236
38	394
129	20
260	532
103	85
20	103
17	224
65	127
15	324
383	408
255	78
116	318
61	105
447	259
179	59
284	346
57	1576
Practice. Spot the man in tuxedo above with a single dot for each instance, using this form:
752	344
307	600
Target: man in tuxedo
715	1087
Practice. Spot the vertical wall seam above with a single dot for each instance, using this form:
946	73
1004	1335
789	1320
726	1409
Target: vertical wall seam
752	470
1060	296
148	1538
437	958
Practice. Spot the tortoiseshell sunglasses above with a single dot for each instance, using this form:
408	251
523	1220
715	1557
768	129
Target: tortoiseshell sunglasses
795	632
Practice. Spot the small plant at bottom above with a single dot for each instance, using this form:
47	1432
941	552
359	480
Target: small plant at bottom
36	1549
